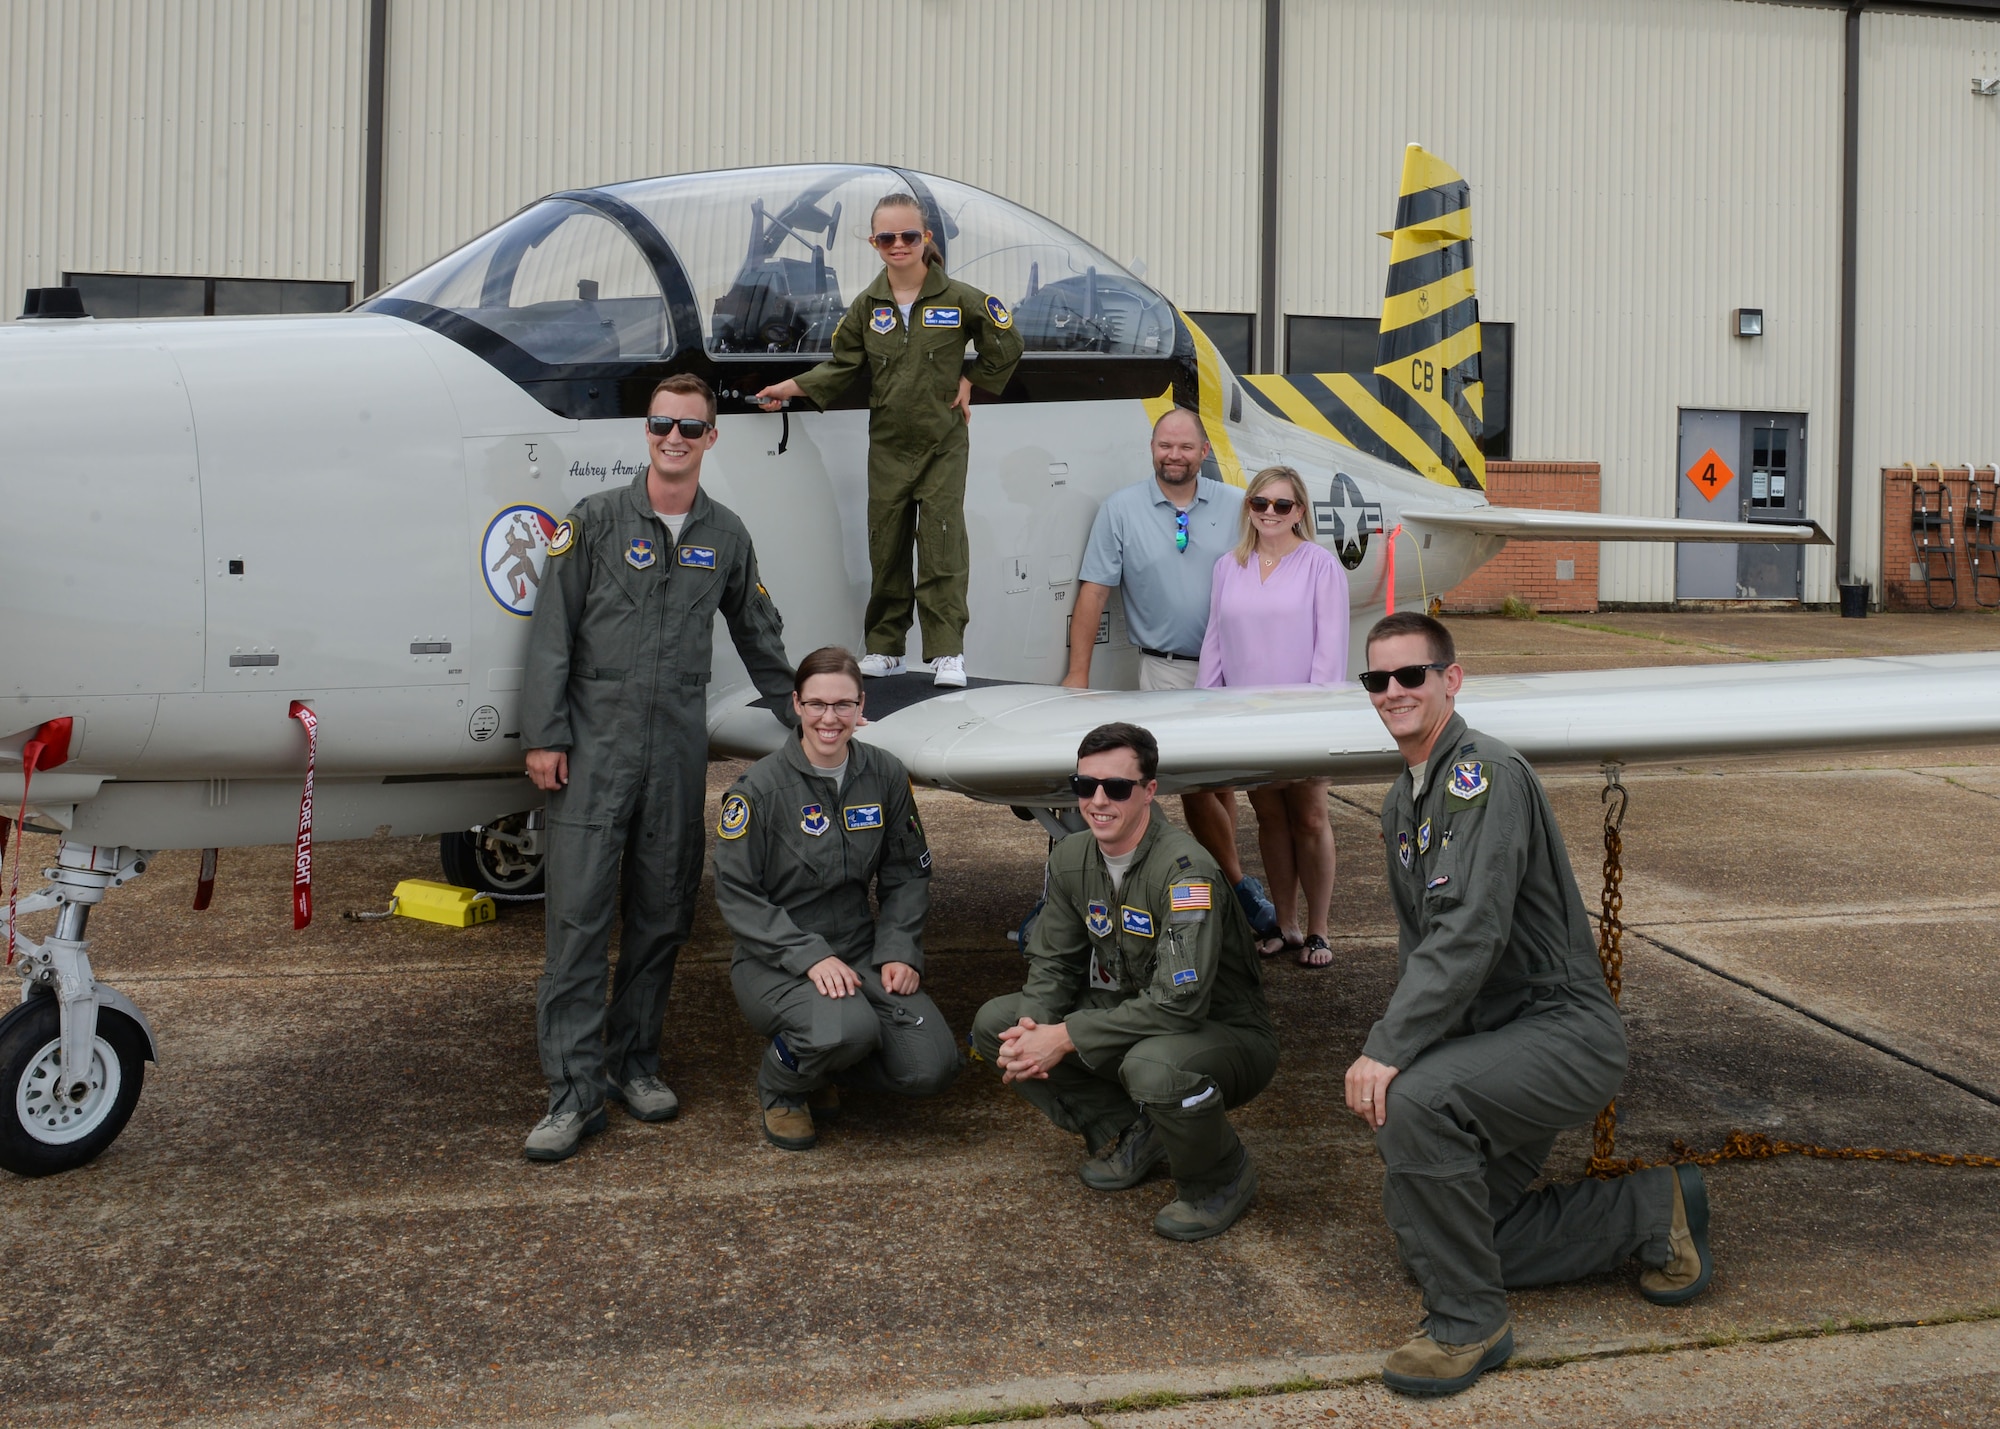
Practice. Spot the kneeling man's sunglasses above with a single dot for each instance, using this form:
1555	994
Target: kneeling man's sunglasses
1409	677
1116	790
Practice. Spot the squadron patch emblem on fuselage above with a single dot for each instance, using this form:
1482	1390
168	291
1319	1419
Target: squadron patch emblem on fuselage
514	552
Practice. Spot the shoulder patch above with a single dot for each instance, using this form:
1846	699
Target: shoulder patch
996	312
1468	779
1185	897
735	817
563	537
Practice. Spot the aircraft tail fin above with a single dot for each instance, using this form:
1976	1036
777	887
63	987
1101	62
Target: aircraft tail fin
1422	407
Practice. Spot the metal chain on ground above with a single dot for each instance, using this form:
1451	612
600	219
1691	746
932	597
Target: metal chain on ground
1737	1145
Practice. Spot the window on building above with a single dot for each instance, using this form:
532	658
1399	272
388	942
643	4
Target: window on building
144	295
1314	344
1232	333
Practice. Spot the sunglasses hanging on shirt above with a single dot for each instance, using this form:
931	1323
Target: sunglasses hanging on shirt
1180	530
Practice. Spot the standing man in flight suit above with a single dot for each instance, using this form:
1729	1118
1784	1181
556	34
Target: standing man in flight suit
909	328
1499	1035
1143	1019
804	834
615	720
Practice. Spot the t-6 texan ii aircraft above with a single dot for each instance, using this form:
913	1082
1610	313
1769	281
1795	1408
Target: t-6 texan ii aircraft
269	546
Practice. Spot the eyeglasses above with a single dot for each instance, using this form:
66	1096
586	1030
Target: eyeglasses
1409	677
1283	505
820	709
1180	530
908	237
1116	790
693	428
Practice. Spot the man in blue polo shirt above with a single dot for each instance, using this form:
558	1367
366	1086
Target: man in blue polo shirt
1159	540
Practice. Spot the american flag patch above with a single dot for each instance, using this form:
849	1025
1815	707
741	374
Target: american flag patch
1188	897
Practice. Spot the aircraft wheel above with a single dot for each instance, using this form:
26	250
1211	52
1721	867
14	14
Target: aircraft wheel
44	1129
476	860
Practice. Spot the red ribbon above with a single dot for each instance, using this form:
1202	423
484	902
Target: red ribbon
302	850
49	748
1389	571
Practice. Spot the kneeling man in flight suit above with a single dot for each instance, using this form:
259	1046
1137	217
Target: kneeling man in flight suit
1143	1018
1499	1035
803	835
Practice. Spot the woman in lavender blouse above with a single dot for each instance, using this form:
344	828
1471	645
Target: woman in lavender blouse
1277	615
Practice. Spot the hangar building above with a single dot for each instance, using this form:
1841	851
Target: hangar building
1652	180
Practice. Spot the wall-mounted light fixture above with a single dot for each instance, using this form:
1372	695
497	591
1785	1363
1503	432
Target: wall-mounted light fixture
1747	322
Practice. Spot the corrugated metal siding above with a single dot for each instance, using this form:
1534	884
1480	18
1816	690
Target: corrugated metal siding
1133	122
211	137
1638	170
1928	355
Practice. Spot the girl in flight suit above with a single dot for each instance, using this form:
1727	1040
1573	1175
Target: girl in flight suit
838	992
910	327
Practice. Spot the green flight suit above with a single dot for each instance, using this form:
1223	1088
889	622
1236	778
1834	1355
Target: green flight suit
1504	1035
617	675
917	444
1165	1005
794	858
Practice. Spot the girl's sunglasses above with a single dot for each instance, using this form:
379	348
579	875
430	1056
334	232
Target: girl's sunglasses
908	237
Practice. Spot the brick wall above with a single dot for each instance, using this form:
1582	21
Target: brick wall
1900	591
1549	575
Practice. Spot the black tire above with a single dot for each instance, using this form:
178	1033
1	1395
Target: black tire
470	861
29	1037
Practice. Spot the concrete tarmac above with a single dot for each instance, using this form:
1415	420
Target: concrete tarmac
319	1212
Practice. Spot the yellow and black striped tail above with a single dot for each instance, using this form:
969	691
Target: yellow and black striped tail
1422	406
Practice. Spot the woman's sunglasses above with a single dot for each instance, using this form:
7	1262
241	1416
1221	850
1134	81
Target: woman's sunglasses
1116	790
1409	677
1283	505
908	237
693	428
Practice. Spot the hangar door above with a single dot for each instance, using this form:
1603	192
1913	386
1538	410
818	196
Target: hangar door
1746	467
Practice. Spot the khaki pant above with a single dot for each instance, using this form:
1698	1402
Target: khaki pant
1158	674
917	500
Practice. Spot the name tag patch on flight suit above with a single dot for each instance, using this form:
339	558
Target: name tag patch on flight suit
1424	837
1097	918
562	538
813	819
735	817
1468	779
997	311
884	320
697	556
639	554
1403	848
862	816
1136	921
941	317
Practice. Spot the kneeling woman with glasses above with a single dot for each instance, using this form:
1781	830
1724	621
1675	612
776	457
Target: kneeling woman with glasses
802	837
1277	615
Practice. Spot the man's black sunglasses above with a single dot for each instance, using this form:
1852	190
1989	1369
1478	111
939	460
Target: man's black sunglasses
1116	790
693	428
1409	677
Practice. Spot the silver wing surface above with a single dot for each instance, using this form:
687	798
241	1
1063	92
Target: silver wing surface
1016	744
1519	523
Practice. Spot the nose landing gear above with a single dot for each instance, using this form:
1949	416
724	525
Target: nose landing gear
73	1055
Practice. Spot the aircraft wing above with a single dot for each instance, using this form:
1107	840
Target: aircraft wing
1016	744
1521	524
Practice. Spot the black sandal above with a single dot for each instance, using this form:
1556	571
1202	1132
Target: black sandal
1308	951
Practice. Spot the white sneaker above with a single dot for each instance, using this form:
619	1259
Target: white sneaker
875	665
949	671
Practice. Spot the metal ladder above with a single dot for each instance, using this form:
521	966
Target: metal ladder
1936	541
1982	525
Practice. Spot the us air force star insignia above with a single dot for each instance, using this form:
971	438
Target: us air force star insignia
1403	848
735	817
562	538
1468	779
639	554
1136	921
997	311
1097	918
1424	837
884	320
813	819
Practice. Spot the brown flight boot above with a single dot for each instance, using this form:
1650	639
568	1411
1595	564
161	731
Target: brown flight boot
824	1104
1430	1368
790	1128
1687	1274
